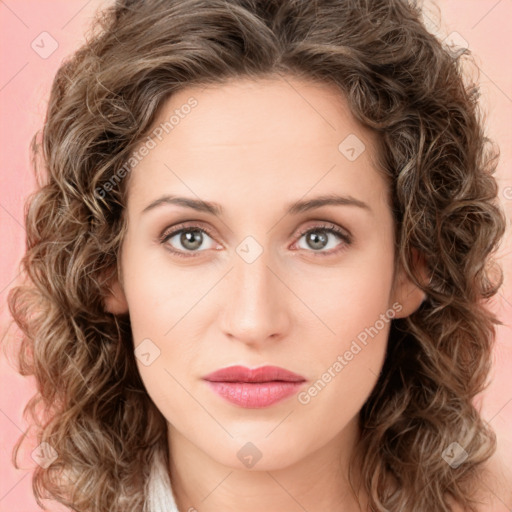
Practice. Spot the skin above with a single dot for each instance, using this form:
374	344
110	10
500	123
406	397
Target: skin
254	147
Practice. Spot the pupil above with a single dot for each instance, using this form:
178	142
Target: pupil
187	239
318	241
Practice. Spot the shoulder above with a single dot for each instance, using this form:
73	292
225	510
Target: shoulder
495	485
495	490
497	481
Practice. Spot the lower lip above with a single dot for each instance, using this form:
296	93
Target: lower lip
255	395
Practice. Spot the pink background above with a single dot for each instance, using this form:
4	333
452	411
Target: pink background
26	74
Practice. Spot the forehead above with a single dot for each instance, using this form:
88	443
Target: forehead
279	134
266	111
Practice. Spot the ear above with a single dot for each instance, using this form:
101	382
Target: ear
115	299
407	293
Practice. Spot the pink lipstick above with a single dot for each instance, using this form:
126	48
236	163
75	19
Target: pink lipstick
256	388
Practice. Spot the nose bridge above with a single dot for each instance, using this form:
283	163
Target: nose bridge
255	309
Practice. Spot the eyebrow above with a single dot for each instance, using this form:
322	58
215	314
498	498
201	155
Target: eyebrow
293	209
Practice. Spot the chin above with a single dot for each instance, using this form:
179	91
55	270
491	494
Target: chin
259	452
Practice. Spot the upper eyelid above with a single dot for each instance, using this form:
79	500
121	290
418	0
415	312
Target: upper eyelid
329	226
173	230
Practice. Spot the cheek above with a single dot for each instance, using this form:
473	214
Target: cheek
348	363
348	300
347	348
155	295
152	309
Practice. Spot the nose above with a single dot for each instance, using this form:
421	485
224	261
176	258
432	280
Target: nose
255	310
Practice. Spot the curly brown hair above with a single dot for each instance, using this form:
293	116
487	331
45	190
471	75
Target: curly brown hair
402	82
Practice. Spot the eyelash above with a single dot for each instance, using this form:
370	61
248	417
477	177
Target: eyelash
328	228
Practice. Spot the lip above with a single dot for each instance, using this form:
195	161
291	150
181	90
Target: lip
261	374
257	388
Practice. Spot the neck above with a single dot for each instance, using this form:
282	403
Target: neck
318	481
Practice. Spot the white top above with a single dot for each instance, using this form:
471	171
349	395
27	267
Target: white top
160	494
172	505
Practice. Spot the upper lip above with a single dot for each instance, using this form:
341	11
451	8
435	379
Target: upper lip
262	374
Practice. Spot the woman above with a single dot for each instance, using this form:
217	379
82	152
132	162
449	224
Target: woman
259	262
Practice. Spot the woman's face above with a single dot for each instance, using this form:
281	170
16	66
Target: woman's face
258	278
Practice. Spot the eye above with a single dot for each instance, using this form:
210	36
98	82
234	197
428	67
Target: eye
187	239
317	238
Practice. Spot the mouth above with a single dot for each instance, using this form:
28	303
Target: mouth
257	388
257	375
